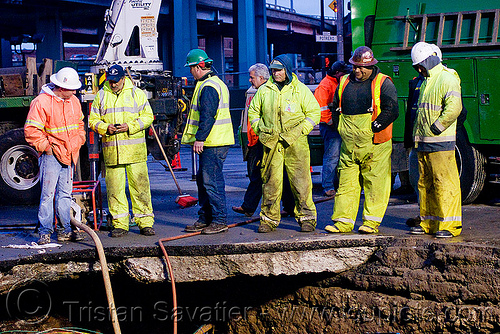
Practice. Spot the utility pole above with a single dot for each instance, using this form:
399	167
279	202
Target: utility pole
321	30
340	30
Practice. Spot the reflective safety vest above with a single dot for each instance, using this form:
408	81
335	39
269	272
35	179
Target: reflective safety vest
222	130
386	134
130	106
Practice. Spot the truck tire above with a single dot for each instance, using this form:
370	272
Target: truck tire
471	167
19	171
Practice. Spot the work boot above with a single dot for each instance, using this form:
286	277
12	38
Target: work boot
417	230
308	226
63	236
214	228
69	236
412	222
148	231
330	193
444	234
197	226
332	229
118	232
365	229
239	209
44	239
265	228
77	236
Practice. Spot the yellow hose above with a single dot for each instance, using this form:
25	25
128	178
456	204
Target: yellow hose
105	273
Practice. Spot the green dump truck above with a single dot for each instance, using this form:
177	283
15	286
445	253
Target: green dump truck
467	33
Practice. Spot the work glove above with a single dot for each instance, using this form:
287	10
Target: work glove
435	129
376	126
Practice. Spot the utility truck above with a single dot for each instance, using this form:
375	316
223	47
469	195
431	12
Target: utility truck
130	40
468	34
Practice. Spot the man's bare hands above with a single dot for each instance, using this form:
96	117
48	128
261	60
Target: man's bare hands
198	147
117	128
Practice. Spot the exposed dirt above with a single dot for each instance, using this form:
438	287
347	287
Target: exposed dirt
413	286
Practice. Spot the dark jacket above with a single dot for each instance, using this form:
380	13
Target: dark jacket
208	105
357	99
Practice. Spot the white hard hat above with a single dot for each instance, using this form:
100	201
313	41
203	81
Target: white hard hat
66	78
420	52
437	51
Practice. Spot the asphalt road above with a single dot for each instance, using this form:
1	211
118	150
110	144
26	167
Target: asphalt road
481	221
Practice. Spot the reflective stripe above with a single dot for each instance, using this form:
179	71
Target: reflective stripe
324	108
141	123
35	123
439	126
222	121
310	121
141	215
373	218
305	218
438	139
97	125
271	222
452	93
121	215
131	110
124	142
447	219
62	129
345	220
255	120
430	106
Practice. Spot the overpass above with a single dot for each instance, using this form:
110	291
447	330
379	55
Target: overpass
234	33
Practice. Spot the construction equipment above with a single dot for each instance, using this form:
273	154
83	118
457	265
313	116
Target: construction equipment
130	39
467	33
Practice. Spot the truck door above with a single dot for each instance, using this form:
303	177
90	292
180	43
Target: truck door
488	98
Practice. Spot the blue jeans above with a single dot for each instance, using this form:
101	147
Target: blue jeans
331	154
211	185
56	180
413	170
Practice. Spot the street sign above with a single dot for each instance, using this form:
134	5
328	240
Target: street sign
326	38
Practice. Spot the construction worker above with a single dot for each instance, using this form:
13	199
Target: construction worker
328	131
210	131
120	114
282	113
54	127
366	101
434	133
259	74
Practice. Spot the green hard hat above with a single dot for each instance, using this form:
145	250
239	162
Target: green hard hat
196	56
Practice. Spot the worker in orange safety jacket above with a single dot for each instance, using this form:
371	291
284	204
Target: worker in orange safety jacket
54	126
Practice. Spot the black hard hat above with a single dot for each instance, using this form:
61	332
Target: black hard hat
339	66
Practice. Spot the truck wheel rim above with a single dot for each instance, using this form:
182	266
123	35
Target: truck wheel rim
19	167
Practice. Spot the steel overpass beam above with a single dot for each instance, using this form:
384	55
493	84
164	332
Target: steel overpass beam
185	34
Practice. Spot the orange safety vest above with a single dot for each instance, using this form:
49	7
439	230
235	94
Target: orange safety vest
386	134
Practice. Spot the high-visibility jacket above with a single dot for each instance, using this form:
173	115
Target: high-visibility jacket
253	139
222	130
55	123
130	106
440	103
324	94
386	134
285	114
